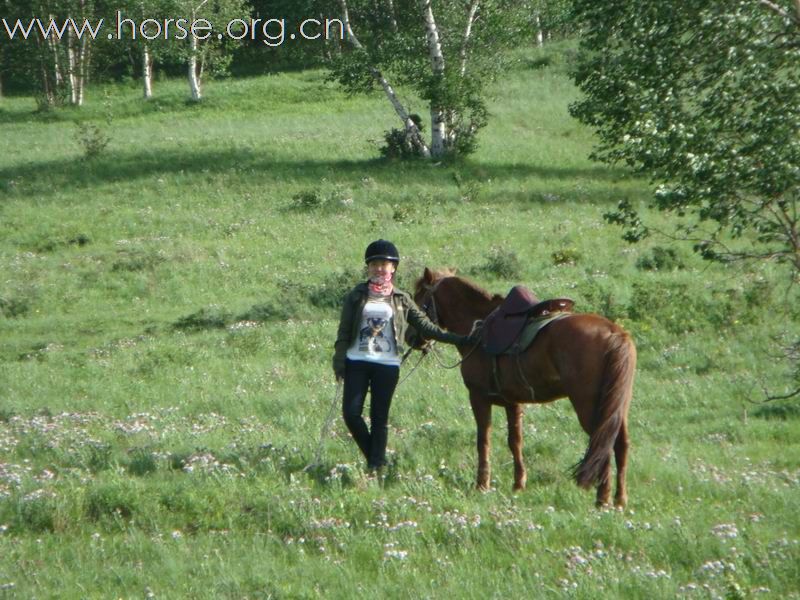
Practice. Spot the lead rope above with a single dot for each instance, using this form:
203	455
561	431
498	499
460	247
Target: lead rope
327	425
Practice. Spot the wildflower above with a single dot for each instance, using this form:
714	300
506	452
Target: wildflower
725	531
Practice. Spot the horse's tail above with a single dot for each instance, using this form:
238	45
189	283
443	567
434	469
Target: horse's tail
611	410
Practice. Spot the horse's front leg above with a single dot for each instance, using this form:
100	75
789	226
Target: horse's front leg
514	415
482	409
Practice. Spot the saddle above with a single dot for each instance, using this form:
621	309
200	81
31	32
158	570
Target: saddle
505	324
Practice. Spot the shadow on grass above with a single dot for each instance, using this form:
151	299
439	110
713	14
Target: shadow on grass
782	412
47	177
124	108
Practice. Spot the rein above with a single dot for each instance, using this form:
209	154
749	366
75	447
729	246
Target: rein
430	310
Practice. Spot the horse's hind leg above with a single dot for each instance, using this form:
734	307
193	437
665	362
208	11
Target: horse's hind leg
621	456
514	414
482	409
584	406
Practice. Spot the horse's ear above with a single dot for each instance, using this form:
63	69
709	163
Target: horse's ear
427	276
453	270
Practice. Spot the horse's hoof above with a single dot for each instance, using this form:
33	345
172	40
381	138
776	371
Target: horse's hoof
481	487
518	487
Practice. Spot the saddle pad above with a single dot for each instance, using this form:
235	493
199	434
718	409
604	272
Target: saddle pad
532	329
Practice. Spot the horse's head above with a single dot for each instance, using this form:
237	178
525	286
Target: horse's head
450	301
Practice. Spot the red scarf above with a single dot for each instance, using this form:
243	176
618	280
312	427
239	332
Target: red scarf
381	285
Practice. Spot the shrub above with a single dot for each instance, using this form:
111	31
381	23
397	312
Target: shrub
566	256
137	260
115	499
398	144
333	288
141	461
92	139
660	259
205	318
329	196
37	511
308	200
12	308
265	312
500	263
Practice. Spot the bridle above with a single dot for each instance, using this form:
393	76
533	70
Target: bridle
429	302
429	308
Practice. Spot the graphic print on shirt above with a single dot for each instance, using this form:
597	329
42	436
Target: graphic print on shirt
375	337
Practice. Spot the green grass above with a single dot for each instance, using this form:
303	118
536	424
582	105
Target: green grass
167	313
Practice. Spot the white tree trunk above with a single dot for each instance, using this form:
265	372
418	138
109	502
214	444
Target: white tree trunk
83	68
393	17
72	67
147	72
194	80
411	128
539	32
473	10
438	122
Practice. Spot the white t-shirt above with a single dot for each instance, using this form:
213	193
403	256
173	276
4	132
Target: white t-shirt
375	341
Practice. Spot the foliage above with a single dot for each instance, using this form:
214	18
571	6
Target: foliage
91	138
704	99
660	259
501	263
399	144
392	44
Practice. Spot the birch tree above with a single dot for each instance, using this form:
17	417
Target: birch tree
205	52
59	52
446	51
145	36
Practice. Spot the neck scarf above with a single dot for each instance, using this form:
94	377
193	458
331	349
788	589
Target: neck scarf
381	285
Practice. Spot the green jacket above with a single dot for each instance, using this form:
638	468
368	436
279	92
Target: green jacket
406	313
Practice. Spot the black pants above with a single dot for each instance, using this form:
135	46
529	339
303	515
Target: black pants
381	380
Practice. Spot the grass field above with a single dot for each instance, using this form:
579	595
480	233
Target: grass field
167	315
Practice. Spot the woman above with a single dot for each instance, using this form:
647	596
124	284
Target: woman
369	347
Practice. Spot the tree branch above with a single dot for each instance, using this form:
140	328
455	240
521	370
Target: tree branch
411	127
782	11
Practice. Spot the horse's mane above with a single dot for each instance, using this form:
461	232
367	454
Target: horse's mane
473	287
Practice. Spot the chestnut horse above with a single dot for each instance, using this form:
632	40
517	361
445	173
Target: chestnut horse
584	357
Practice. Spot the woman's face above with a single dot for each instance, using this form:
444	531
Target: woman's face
380	268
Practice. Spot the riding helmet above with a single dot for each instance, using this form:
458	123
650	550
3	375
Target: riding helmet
382	250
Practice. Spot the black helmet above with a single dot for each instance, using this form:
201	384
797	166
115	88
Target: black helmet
382	250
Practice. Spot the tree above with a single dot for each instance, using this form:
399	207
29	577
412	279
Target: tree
203	49
704	98
446	51
142	29
54	39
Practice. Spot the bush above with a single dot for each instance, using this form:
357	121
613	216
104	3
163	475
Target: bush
500	263
319	198
116	499
205	318
37	512
398	144
660	259
566	256
333	288
92	139
141	461
12	308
